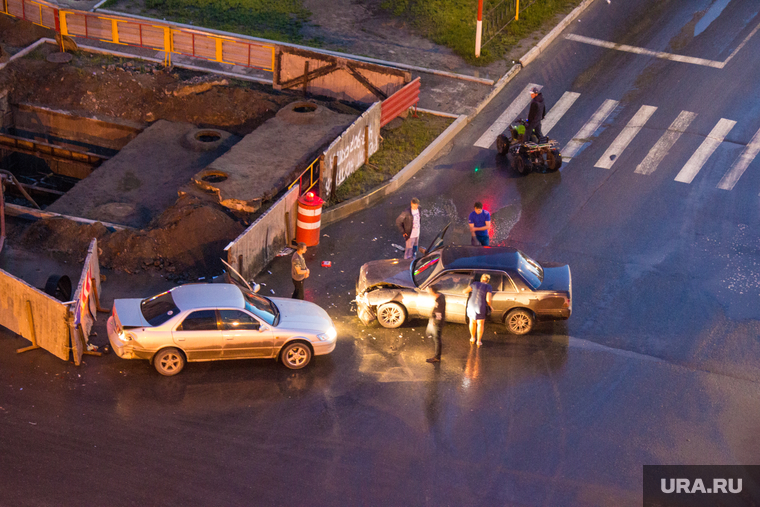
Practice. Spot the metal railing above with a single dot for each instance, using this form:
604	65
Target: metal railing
145	32
313	177
498	18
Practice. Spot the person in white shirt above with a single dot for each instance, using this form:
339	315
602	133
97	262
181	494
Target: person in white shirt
408	222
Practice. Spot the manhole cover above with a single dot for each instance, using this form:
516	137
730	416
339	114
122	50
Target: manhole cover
59	57
214	178
117	209
305	108
207	136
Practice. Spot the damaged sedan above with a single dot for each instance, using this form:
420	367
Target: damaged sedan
524	291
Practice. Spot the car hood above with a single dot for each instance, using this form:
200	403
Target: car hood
129	314
556	279
388	271
302	315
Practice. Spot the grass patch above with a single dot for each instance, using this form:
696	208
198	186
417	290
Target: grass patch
451	23
280	20
399	147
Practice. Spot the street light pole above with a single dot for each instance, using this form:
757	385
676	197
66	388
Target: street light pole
479	29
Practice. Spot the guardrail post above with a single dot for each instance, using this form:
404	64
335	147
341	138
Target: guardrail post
33	332
305	76
334	176
366	144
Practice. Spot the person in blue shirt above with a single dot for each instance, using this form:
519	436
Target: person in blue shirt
480	223
479	306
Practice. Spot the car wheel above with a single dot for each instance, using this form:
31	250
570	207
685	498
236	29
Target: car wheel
391	315
519	321
169	362
502	145
296	355
553	160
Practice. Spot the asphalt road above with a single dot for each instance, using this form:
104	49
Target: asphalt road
657	365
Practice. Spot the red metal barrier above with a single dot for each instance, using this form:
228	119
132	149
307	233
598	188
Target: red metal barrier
399	102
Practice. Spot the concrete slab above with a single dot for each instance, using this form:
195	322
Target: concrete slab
142	180
271	157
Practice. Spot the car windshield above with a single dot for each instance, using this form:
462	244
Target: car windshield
423	267
158	309
262	307
530	270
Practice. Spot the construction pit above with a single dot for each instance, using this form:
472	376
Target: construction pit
164	166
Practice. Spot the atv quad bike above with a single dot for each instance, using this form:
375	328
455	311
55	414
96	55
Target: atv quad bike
528	154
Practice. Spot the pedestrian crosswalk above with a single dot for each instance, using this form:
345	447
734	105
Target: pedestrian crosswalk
595	125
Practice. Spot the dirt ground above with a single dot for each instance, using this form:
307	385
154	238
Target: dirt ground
104	87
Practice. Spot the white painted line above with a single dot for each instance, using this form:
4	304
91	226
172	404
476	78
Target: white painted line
708	146
665	143
745	159
623	139
583	135
733	53
507	117
558	111
644	51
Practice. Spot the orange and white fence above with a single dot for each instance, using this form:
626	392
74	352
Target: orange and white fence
143	32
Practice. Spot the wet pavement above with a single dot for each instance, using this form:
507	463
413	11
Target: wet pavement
657	365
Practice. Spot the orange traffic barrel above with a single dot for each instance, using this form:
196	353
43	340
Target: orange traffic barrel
309	219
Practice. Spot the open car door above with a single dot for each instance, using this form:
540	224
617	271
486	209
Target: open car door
437	242
238	280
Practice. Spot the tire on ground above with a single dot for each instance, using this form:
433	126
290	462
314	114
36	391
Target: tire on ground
296	355
169	361
519	321
391	315
521	164
553	160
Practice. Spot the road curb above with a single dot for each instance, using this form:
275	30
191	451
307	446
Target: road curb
498	87
343	210
549	37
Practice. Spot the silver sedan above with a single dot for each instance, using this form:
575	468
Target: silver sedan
210	322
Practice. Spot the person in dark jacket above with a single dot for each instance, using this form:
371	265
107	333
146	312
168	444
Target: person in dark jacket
408	223
435	324
536	113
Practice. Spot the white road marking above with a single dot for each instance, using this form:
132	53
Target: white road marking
582	137
737	169
733	53
708	146
625	137
665	143
507	117
644	51
559	109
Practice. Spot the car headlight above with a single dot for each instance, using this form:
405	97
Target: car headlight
328	335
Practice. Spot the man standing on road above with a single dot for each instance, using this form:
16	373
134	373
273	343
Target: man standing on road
298	270
435	324
408	222
480	223
536	113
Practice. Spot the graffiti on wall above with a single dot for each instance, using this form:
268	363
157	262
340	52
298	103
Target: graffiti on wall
351	148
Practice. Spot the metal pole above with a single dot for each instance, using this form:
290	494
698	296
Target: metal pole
479	29
517	10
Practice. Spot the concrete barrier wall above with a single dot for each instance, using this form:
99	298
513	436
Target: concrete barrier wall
76	131
47	325
263	239
87	296
352	149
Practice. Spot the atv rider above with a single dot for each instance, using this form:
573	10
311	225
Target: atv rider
536	113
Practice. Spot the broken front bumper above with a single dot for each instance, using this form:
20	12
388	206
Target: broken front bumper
363	310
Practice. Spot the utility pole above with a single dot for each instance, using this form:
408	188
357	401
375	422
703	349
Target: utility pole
479	29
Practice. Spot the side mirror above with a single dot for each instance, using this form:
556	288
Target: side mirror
255	286
263	328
